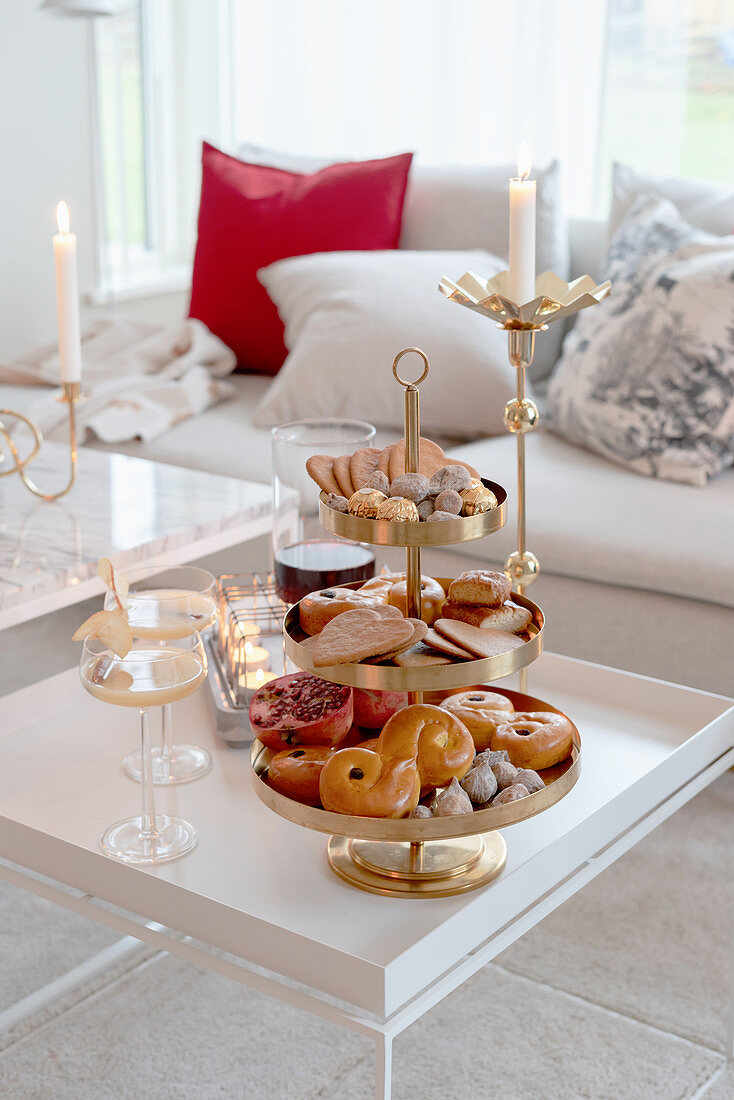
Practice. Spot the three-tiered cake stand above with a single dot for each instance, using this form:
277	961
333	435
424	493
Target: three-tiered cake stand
421	857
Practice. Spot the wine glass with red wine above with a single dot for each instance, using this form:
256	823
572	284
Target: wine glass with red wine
306	558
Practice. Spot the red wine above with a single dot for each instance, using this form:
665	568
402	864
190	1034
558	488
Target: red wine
309	566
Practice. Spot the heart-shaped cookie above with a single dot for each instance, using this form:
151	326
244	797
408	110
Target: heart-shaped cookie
363	463
341	473
419	633
355	635
321	469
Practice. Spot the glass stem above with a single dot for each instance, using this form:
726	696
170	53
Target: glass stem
149	829
166	733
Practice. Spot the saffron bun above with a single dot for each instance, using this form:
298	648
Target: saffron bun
433	598
319	608
295	773
359	782
535	739
439	742
482	712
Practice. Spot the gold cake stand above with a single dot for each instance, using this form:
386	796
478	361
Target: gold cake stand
417	857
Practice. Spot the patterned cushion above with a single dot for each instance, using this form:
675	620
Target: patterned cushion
647	377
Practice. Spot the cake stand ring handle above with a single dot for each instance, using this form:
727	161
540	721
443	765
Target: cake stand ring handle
399	356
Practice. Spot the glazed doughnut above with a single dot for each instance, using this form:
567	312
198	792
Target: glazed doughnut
480	586
433	598
441	744
482	712
296	773
535	740
319	608
359	782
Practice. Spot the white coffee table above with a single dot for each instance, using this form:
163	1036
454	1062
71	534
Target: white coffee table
259	888
129	509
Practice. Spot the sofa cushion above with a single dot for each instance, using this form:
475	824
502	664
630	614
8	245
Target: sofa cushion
647	377
707	205
346	316
251	215
589	518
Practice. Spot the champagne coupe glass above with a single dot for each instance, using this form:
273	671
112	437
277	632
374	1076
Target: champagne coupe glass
174	604
150	675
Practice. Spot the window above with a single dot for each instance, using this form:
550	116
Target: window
162	85
670	88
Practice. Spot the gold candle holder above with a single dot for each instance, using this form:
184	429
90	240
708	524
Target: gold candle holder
71	394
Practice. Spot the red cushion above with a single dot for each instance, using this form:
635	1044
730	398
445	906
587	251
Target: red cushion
251	215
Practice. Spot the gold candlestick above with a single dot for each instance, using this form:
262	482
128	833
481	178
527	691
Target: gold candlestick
71	393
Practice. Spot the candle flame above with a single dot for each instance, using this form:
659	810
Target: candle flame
248	649
62	217
523	161
259	677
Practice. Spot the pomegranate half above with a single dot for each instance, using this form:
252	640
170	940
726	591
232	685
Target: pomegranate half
301	710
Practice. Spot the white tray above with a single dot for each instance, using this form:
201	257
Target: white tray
259	887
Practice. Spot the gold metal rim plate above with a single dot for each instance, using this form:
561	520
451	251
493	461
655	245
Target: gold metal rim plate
559	779
430	678
380	532
385	869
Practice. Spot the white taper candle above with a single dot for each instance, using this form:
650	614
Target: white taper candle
522	231
67	298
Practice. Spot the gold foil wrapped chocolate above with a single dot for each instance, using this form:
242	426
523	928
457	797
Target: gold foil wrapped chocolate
477	499
365	503
398	508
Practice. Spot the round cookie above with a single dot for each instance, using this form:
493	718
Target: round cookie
448	500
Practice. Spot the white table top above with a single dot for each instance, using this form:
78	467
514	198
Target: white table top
260	887
131	510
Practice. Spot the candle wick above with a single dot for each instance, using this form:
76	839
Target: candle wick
524	176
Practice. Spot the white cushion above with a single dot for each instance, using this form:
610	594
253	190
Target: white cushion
347	315
589	518
706	205
647	377
467	207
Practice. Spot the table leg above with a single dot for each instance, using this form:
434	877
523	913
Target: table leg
383	1067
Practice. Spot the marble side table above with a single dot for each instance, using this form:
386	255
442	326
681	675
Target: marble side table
129	509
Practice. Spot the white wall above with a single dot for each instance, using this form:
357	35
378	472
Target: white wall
45	138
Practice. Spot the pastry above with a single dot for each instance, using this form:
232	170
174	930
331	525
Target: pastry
362	465
295	773
481	712
441	744
535	740
420	656
511	616
453	800
357	781
530	779
492	758
399	509
377	480
448	500
425	508
411	486
420	811
454	477
437	516
355	635
321	469
300	710
341	473
480	586
480	783
476	499
431	458
443	645
478	640
432	598
510	794
366	502
337	502
319	608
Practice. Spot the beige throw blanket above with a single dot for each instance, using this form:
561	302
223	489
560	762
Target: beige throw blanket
138	379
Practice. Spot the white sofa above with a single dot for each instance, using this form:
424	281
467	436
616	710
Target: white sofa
636	572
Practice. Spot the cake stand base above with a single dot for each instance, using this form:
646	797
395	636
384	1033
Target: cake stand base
434	868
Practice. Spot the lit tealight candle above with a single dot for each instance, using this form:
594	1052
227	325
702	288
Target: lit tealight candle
255	680
67	298
522	231
254	658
